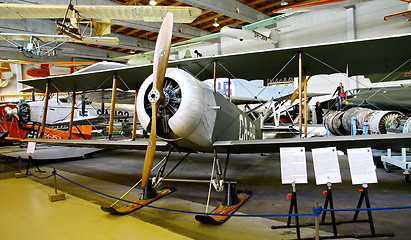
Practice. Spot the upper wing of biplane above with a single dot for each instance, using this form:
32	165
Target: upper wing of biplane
358	57
130	12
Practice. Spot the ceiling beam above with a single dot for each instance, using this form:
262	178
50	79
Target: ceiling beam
229	8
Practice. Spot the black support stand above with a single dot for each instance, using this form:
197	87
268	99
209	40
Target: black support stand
329	200
34	162
293	209
364	196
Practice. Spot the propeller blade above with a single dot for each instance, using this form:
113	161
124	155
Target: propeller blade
156	95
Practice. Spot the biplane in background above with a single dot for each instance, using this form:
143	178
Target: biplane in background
44	69
188	115
42	44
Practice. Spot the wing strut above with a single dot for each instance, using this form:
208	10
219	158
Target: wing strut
113	108
135	119
45	106
73	105
300	89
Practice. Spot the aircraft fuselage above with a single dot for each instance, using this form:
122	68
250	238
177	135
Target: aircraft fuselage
193	116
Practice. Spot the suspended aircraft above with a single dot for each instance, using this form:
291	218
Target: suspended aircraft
188	115
251	31
98	16
41	44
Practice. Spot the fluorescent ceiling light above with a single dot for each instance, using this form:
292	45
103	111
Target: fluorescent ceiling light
284	2
216	24
153	2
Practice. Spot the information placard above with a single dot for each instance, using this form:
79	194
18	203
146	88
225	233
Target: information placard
326	166
361	166
31	146
293	165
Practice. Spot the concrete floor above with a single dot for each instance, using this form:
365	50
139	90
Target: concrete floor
115	171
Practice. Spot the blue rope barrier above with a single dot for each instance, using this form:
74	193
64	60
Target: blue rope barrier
316	210
183	211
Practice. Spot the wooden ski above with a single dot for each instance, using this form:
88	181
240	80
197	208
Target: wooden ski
131	207
216	219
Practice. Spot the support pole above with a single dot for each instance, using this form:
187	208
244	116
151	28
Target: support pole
113	108
73	105
300	80
317	224
229	89
305	106
45	106
215	75
134	133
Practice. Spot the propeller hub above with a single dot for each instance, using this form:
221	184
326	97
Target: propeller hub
153	96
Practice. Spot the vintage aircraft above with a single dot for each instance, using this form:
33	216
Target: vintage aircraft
15	126
44	69
42	44
89	14
250	31
190	116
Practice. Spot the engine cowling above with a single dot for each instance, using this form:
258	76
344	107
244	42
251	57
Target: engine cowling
184	114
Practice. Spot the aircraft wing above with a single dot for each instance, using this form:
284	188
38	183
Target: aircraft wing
251	27
360	57
134	145
59	38
132	12
270	21
378	141
207	37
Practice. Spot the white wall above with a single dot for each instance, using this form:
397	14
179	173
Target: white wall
324	25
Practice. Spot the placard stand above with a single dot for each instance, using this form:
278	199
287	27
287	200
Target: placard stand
292	210
329	200
364	195
34	162
362	171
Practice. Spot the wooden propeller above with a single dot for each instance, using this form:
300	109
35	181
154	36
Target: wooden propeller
156	95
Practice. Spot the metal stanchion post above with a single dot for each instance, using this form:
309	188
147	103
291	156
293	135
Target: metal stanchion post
317	223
